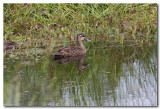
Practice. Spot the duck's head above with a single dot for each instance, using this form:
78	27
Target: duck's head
81	37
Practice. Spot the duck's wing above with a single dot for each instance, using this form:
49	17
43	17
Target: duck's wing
69	51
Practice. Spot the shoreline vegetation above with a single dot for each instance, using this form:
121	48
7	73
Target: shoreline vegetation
44	25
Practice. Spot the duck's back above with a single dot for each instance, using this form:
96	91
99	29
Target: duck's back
70	51
9	45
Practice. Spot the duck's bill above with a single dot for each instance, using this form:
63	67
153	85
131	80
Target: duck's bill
87	39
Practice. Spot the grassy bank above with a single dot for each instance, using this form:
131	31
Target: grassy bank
36	25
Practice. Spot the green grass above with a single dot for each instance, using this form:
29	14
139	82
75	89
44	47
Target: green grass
36	24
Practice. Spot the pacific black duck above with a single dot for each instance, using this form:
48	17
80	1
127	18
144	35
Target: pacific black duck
73	51
11	45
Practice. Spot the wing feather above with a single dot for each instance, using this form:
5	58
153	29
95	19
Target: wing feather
69	51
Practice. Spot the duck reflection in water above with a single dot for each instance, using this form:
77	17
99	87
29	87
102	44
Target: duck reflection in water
80	59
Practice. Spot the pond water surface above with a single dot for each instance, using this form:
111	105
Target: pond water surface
106	76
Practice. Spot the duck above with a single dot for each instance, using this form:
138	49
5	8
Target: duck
11	45
72	50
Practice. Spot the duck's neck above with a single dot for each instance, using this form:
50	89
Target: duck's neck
81	45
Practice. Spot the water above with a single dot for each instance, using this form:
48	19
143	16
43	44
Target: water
106	76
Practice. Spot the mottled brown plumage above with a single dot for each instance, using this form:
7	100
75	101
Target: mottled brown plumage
9	45
72	51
